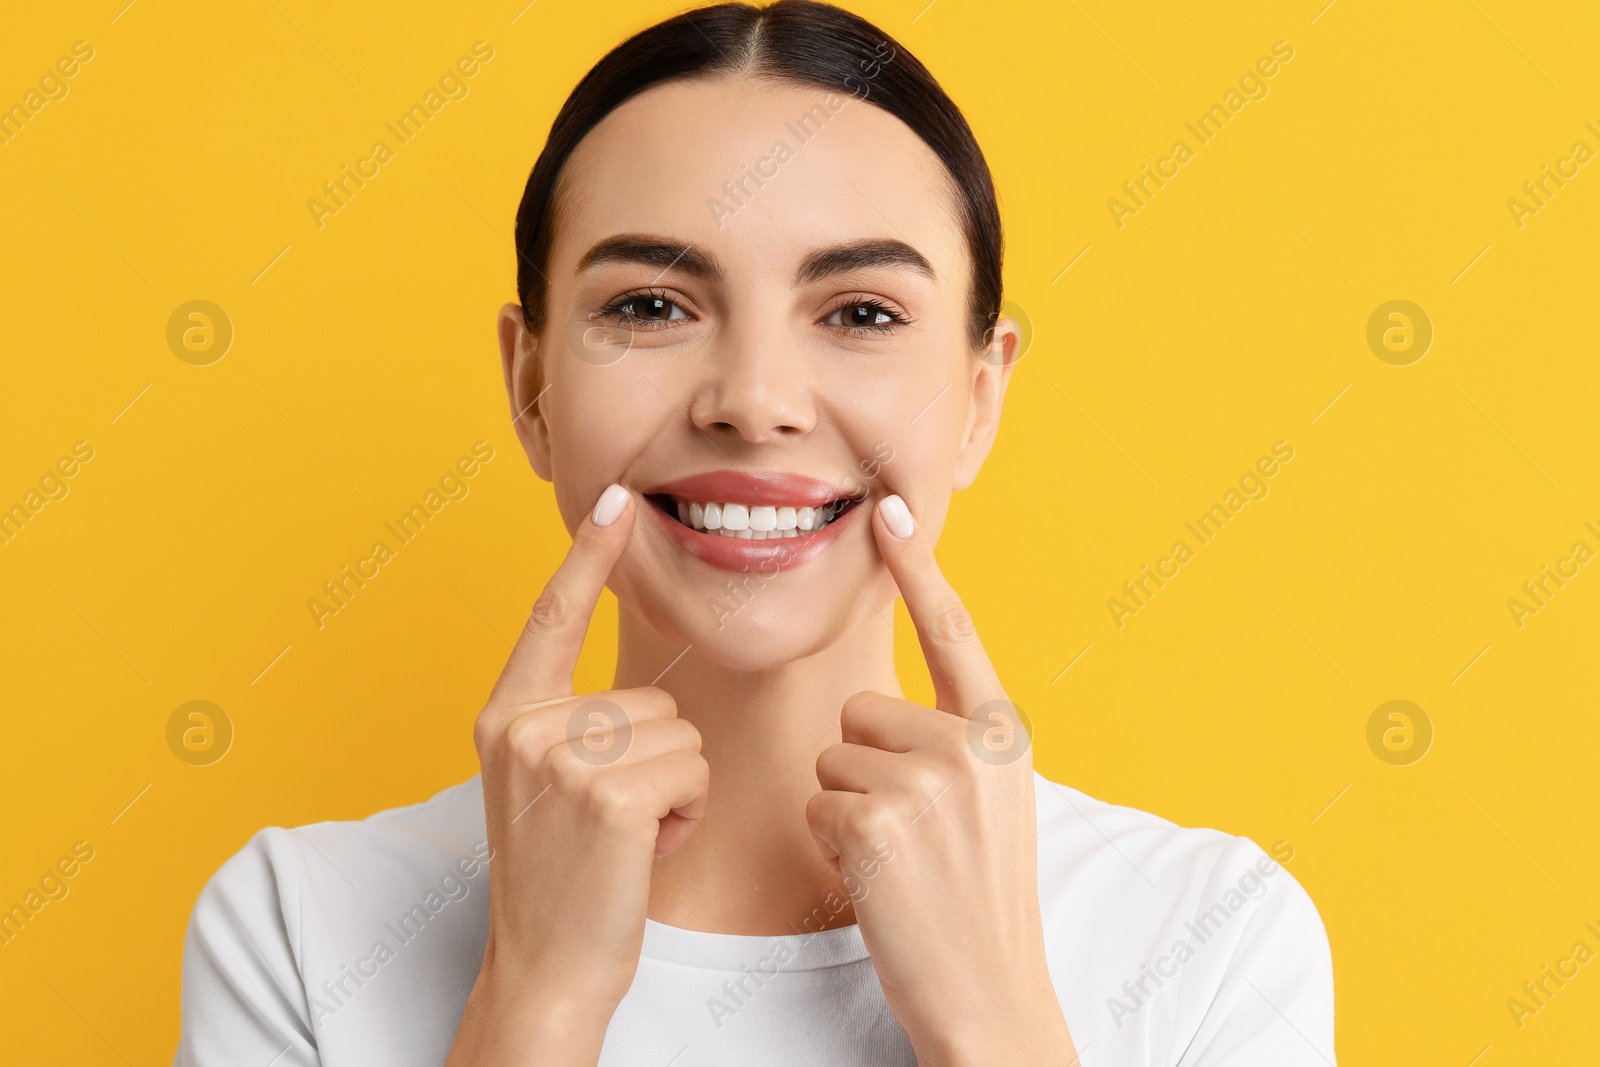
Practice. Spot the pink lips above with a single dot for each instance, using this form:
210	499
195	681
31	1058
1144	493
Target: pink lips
774	488
752	487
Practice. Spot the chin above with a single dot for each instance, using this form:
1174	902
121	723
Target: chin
756	619
768	632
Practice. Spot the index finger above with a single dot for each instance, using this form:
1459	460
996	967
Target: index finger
546	652
963	677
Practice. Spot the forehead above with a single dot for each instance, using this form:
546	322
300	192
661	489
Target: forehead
758	172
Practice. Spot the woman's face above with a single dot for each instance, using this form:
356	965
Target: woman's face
756	315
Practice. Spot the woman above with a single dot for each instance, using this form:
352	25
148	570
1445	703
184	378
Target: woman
757	347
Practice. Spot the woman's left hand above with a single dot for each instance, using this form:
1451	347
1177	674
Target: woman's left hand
951	918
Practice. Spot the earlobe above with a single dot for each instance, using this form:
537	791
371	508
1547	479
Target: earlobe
520	367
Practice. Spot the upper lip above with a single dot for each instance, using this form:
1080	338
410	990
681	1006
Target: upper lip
777	488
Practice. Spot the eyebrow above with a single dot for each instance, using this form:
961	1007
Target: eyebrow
669	254
862	255
652	251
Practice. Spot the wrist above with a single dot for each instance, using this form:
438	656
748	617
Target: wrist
1022	1033
515	1017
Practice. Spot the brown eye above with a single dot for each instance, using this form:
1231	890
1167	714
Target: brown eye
650	307
864	315
641	308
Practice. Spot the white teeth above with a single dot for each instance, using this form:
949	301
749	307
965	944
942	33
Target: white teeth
755	522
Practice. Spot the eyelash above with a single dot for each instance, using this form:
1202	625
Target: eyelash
615	310
896	318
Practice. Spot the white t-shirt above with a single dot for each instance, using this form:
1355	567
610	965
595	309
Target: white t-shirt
347	944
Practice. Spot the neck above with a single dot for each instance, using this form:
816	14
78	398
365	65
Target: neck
754	867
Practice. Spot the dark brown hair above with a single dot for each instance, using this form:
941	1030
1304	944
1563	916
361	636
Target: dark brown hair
797	41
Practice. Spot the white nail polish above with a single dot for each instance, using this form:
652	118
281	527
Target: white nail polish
896	516
612	501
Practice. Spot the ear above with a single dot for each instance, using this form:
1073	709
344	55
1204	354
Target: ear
991	374
519	362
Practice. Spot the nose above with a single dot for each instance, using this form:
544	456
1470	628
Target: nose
758	388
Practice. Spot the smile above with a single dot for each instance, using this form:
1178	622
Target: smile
737	520
758	522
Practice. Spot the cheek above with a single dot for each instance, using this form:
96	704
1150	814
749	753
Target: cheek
601	421
922	463
916	458
902	413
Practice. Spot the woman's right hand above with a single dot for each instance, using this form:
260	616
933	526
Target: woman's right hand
581	793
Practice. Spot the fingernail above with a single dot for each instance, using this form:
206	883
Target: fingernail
610	506
896	516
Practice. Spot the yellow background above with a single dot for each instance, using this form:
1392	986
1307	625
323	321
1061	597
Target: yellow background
1224	316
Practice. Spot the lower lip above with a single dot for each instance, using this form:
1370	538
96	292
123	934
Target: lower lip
743	554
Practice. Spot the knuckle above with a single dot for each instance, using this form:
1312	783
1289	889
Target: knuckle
850	726
526	738
609	801
858	719
699	771
953	623
552	611
925	782
688	732
857	706
599	732
922	556
856	701
872	820
484	730
653	696
515	733
566	774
